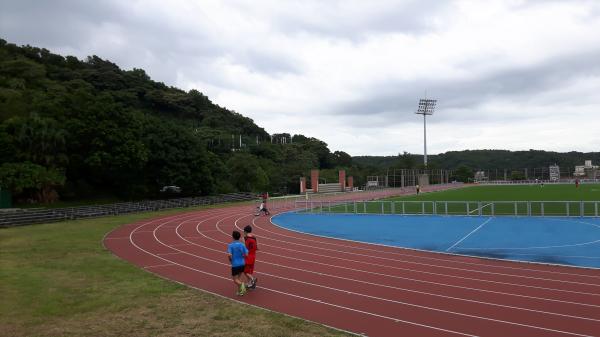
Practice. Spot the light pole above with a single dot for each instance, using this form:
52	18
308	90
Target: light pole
426	107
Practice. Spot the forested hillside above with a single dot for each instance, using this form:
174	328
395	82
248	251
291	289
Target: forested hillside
482	159
73	128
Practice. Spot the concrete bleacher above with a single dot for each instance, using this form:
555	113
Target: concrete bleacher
330	188
19	217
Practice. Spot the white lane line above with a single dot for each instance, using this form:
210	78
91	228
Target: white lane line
534	247
160	265
172	226
466	236
478	208
311	240
452	285
166	254
431	273
424	264
374	297
564	256
195	214
377	284
298	296
279	248
430	265
181	244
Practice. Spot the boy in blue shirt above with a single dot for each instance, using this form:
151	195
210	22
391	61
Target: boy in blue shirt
237	252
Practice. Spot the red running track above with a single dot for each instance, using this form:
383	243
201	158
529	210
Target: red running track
364	288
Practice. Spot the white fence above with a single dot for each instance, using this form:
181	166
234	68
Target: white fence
465	208
537	182
292	202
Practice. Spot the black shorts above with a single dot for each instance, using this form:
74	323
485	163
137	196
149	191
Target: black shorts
237	270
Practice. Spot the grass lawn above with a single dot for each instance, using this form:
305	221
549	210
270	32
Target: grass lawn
478	197
558	192
58	280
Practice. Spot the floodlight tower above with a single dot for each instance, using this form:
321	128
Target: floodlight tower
426	107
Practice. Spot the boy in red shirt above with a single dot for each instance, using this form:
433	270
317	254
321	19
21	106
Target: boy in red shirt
250	242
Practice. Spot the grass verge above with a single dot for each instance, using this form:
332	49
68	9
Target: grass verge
548	192
58	280
548	200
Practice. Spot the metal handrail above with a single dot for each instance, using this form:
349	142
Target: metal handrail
564	208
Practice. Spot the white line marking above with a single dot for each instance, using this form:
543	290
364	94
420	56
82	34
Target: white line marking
445	284
466	236
166	254
160	265
478	208
430	273
301	297
417	263
420	250
165	259
181	244
376	284
540	247
566	256
374	297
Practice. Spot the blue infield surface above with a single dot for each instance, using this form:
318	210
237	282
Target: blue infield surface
568	241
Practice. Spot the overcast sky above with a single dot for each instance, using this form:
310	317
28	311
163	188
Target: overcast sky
513	75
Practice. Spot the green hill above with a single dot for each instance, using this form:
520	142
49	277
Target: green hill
73	129
482	159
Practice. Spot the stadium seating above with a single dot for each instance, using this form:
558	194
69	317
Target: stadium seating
18	217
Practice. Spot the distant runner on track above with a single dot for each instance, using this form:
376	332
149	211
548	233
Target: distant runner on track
263	205
262	208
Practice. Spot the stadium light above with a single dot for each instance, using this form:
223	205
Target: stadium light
426	107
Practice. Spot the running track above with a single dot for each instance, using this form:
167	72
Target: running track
363	288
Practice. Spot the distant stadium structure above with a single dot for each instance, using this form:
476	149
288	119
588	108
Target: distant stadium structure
344	184
554	172
480	176
587	170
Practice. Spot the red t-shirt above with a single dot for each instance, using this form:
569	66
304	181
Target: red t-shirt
250	242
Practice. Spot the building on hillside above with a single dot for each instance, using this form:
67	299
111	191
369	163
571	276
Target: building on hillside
554	171
480	176
587	170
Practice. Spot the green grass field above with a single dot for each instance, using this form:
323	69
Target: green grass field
556	192
58	280
491	200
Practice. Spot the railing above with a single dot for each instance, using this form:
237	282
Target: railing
537	182
464	208
291	201
32	216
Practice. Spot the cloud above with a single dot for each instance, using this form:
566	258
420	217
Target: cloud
507	74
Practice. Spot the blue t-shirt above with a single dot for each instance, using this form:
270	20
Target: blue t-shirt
237	251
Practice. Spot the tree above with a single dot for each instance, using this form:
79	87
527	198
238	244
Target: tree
246	173
31	180
517	175
463	174
38	140
342	159
117	132
405	161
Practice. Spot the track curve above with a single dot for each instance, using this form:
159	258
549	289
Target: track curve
363	288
